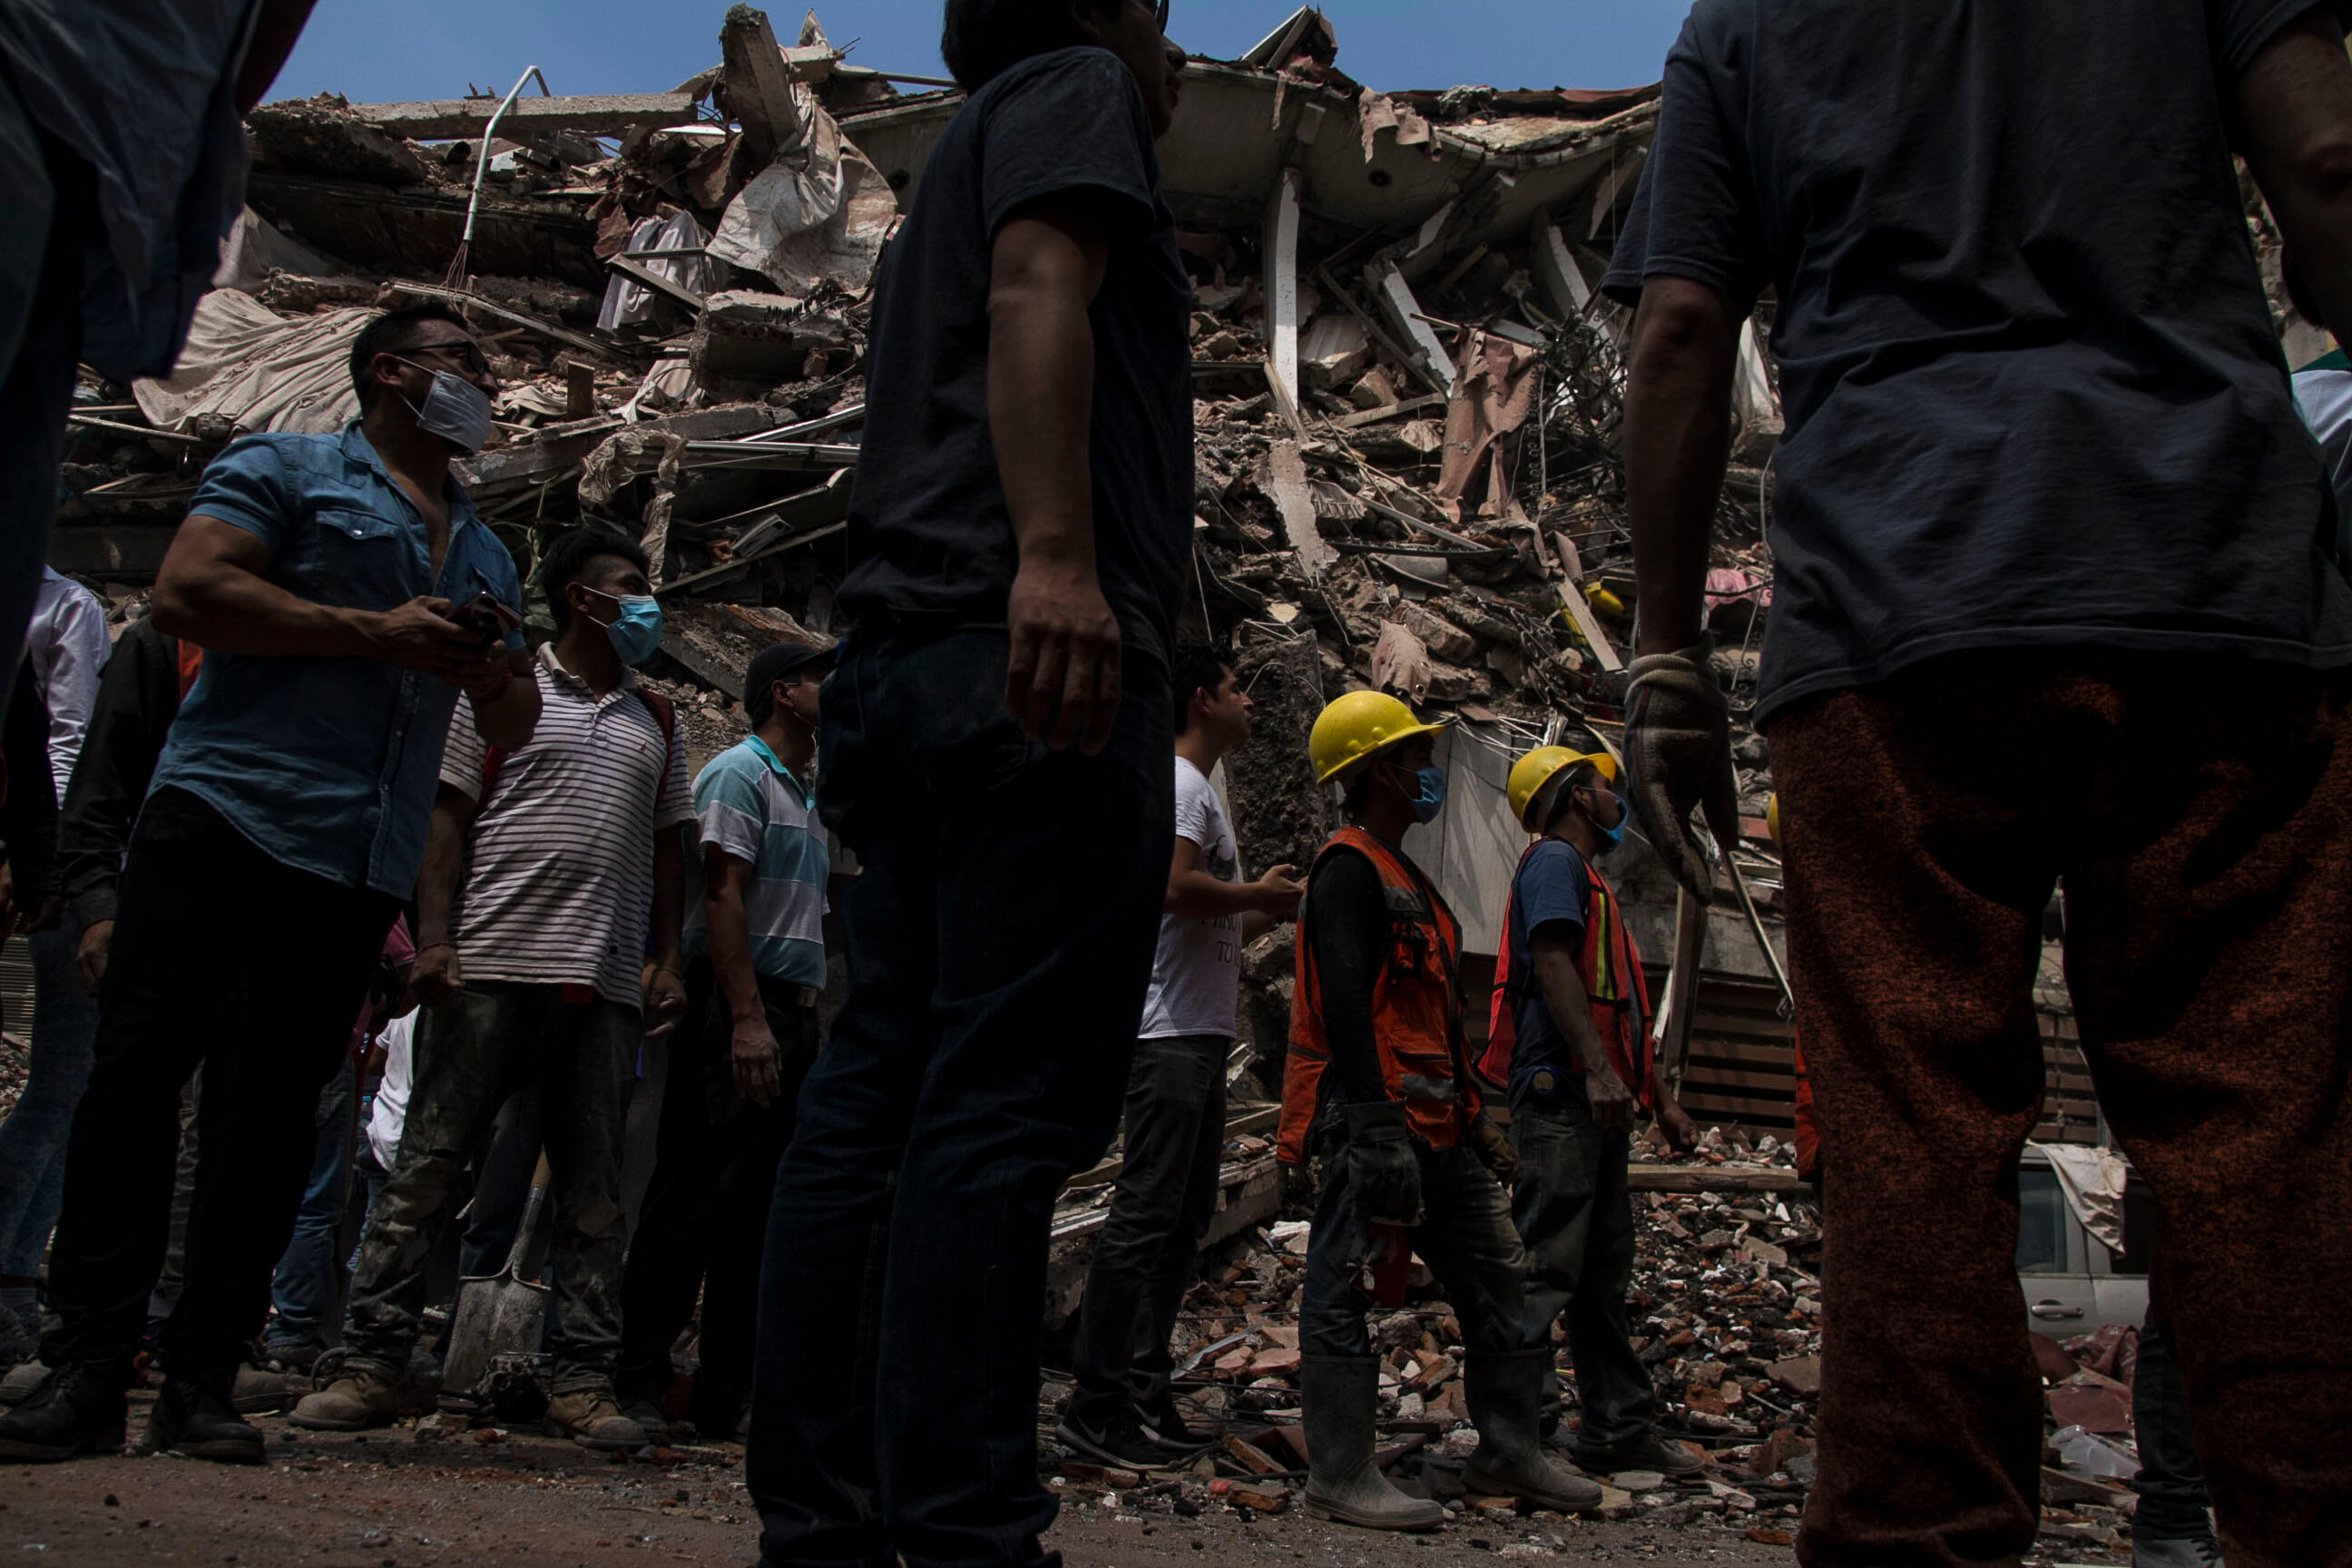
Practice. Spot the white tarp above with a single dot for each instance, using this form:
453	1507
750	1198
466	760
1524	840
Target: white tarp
261	370
254	250
819	212
2092	1180
627	302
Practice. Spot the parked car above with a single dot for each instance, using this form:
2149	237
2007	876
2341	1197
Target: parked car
2072	1283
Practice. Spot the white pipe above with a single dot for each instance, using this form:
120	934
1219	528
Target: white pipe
482	162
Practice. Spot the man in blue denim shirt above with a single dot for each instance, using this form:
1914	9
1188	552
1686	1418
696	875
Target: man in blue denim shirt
336	584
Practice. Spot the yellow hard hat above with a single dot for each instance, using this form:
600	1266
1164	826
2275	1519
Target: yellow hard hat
1772	818
1356	725
1532	772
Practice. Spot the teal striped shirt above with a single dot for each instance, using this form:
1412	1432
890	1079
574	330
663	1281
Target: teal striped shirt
751	807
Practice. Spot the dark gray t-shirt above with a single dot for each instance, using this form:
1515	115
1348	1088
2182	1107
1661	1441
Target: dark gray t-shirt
2032	388
930	541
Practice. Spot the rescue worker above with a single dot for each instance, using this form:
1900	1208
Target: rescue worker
1379	1089
1569	1036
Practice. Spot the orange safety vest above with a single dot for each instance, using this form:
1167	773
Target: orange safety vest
1416	1010
1614	986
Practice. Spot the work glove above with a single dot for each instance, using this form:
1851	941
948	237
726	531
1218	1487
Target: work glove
1380	1163
1493	1148
1677	756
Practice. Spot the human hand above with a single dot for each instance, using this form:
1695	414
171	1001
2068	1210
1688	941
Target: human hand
1612	1103
1678	756
90	955
1682	1133
759	1077
420	635
1278	891
49	916
1062	680
1494	1150
1382	1164
438	981
665	999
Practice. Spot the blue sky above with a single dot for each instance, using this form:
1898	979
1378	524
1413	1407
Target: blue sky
378	50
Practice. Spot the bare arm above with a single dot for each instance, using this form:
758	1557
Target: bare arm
1193	894
1678	436
1046	267
508	717
753	1052
1554	959
663	979
438	979
2293	114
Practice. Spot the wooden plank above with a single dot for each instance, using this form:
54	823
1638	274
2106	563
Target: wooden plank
1388	411
563	335
638	272
1280	251
1711	1179
1580	614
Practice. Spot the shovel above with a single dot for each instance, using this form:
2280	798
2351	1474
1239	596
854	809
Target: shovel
503	1313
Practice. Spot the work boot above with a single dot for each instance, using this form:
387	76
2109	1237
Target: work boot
22	1379
2185	1552
195	1415
591	1417
258	1391
1341	1400
355	1401
1504	1390
1647	1452
1118	1438
77	1409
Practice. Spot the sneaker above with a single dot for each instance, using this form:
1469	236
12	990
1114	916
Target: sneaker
593	1419
356	1400
1118	1440
2185	1552
1164	1424
194	1415
1647	1452
74	1410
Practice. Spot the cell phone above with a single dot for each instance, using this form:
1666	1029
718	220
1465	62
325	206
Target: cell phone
487	616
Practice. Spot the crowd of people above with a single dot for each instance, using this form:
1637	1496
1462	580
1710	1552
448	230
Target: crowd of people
2062	595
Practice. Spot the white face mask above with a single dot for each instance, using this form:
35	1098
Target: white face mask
454	409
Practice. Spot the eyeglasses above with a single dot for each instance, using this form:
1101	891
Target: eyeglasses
467	354
1160	12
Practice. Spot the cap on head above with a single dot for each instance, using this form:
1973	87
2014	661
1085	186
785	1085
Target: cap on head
1538	768
1355	727
782	660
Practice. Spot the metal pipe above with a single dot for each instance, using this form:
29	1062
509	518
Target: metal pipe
1756	924
482	164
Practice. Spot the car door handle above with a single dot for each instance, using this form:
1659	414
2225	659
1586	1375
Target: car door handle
2051	1311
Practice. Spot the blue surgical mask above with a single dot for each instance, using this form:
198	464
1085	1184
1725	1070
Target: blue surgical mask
454	409
1429	798
636	631
1612	837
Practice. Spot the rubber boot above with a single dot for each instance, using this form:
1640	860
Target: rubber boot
1341	1396
1504	1391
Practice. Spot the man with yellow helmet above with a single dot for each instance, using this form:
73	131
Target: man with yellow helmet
1379	1087
1568	1034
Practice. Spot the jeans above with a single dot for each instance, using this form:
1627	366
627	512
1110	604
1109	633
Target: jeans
999	939
2209	953
1575	1215
33	1138
1465	1237
2170	1483
265	1005
310	1279
706	1216
470	1056
1167	1192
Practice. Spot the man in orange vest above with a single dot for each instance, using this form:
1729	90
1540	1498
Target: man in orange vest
1379	1089
1571	1039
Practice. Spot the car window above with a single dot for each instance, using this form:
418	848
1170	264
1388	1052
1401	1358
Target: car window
2041	1222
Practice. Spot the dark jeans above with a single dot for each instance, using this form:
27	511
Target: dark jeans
33	1138
999	939
2208	952
1575	1214
225	957
2170	1483
470	1057
705	1220
1465	1237
308	1288
1175	1136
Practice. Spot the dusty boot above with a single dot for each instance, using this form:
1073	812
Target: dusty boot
1340	1396
354	1401
258	1391
194	1415
74	1410
1647	1452
1510	1461
591	1417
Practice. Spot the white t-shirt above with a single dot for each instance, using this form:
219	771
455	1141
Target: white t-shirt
391	1110
1196	976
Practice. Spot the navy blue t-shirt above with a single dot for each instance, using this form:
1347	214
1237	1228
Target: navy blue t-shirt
1550	889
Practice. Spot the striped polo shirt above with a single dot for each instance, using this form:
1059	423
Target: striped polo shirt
560	888
749	804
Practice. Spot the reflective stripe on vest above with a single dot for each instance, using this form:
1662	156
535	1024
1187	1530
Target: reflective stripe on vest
1607	958
1416	1009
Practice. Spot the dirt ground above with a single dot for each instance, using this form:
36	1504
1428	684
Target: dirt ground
388	1500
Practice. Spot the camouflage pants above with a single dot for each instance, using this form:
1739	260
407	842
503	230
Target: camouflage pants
470	1056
